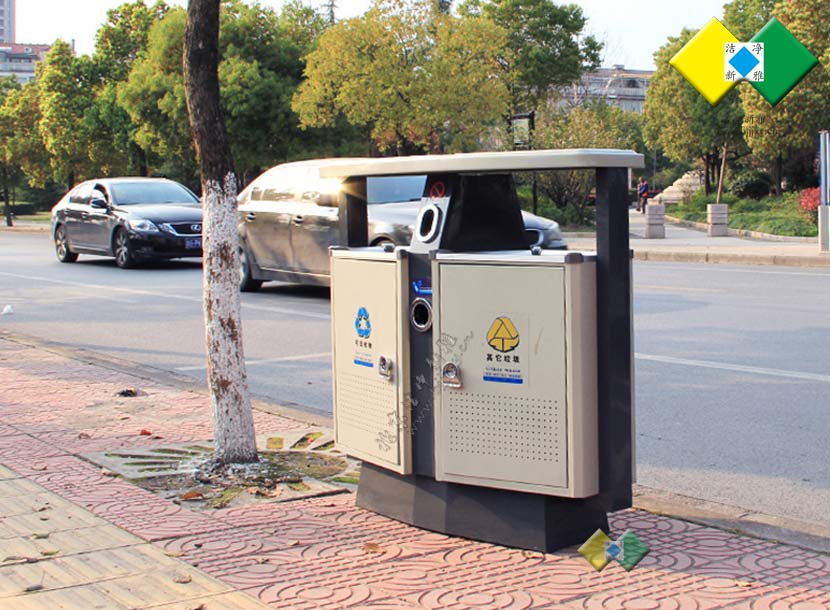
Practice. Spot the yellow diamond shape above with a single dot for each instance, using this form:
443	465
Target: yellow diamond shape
503	335
700	61
594	550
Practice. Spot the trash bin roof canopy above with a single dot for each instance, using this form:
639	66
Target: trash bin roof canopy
484	162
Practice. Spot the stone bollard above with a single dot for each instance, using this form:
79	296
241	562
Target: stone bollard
718	217
824	228
655	221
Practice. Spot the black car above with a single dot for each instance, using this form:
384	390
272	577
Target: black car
132	219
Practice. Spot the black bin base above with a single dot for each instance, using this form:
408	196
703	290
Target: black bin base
510	518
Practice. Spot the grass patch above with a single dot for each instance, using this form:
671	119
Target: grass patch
306	441
775	215
225	498
42	217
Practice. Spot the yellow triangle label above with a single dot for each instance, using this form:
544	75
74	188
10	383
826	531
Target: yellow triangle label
503	336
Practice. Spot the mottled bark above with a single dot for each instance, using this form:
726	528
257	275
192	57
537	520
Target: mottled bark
234	439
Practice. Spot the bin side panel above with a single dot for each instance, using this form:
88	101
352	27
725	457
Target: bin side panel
369	419
506	427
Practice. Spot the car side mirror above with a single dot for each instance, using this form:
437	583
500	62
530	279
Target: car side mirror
98	204
327	200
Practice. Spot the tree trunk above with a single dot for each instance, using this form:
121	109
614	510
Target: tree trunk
234	440
707	184
722	175
779	169
6	198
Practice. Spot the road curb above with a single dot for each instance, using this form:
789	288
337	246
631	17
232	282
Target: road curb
731	258
24	229
160	376
806	535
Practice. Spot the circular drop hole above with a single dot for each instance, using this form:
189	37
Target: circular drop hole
428	223
421	315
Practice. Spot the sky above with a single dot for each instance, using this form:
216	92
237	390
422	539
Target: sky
630	29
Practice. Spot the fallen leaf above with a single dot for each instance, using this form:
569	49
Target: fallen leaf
125	417
372	547
44	518
108	473
42	507
84	436
743	583
292	543
156	437
182	579
199	607
40	467
145	432
174	553
267	493
33	588
128	393
262	560
40	536
191	495
50	552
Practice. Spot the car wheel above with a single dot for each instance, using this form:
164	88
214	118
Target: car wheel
247	283
124	256
64	254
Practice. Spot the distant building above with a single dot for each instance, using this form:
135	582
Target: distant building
19	60
616	85
7	21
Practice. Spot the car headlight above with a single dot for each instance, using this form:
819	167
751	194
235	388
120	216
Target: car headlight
143	225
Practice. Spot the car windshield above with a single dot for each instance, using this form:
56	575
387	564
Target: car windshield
394	189
128	193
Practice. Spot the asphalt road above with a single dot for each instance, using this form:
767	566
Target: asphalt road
732	374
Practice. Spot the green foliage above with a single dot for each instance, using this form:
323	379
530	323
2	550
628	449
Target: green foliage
412	77
791	126
775	215
744	18
123	38
596	125
66	92
749	183
547	46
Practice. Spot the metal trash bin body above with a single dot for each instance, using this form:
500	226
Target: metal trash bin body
507	415
519	333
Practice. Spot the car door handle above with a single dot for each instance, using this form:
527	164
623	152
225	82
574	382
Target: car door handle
297	220
251	216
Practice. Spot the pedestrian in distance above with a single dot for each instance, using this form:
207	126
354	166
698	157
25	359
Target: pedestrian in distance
642	195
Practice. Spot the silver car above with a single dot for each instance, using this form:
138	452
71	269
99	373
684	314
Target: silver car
288	219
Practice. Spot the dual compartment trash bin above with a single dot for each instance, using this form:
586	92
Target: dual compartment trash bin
485	385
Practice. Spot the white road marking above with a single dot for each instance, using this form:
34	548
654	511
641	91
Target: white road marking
266	361
179	297
667	288
739	368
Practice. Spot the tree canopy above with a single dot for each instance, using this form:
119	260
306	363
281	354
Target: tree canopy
418	78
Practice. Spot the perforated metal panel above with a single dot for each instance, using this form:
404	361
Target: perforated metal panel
367	325
496	431
522	418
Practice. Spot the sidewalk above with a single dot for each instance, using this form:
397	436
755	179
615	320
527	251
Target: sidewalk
692	246
108	543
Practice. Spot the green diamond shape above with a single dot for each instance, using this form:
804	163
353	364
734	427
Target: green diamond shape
786	61
594	550
634	550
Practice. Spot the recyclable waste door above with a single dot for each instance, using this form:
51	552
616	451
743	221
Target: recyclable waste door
370	356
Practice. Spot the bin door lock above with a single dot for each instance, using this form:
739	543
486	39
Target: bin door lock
385	367
451	375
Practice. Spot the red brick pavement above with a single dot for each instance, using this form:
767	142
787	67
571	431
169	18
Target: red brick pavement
325	553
